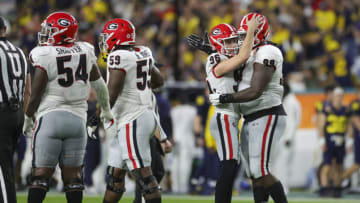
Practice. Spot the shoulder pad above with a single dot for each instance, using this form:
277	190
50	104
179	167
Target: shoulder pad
41	51
143	49
87	45
122	52
269	48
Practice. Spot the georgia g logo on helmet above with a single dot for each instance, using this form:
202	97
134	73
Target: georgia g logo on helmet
64	22
112	26
215	32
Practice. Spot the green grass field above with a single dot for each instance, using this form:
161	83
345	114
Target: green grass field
185	199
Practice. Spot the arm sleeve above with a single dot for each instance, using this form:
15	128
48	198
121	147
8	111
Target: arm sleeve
102	93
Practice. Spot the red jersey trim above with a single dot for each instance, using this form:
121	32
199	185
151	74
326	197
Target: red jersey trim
42	68
213	71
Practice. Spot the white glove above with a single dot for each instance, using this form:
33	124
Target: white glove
28	126
91	132
215	99
110	126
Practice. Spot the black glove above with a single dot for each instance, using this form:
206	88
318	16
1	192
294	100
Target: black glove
202	44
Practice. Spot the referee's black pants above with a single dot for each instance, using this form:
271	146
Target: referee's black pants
11	123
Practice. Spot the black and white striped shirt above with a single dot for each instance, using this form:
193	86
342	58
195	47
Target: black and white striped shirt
14	68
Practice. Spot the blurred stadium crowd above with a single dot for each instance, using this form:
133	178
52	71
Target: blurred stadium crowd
320	40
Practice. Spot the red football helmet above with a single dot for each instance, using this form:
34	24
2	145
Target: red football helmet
116	32
262	33
221	33
57	29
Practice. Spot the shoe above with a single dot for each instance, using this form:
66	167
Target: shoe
337	192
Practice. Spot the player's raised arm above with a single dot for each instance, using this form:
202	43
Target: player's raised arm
244	52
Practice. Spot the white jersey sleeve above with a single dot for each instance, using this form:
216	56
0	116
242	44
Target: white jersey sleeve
212	61
269	55
91	52
39	58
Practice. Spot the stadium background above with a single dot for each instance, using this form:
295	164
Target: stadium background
320	41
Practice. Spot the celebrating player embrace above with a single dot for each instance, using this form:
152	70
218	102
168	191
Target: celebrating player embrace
260	99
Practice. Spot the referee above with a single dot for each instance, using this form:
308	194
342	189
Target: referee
14	95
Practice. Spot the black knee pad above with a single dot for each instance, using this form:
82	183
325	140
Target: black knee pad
40	181
144	183
111	180
75	184
229	168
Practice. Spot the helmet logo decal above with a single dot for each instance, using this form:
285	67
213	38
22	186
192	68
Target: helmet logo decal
215	32
112	26
64	22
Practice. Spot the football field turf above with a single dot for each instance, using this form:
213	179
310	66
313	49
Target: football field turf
59	198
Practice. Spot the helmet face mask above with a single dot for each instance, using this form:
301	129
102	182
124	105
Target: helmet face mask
103	37
242	36
46	35
233	43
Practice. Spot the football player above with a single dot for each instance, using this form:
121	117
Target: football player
332	128
260	96
64	72
224	122
131	77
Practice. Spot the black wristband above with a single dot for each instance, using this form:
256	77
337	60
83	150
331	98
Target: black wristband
226	98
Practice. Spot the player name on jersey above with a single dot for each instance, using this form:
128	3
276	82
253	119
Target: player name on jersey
65	50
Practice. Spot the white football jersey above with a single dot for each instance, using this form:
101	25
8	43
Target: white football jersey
135	97
272	95
221	84
68	70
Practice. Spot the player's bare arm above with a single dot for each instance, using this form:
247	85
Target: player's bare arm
115	84
156	79
260	79
37	91
233	63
